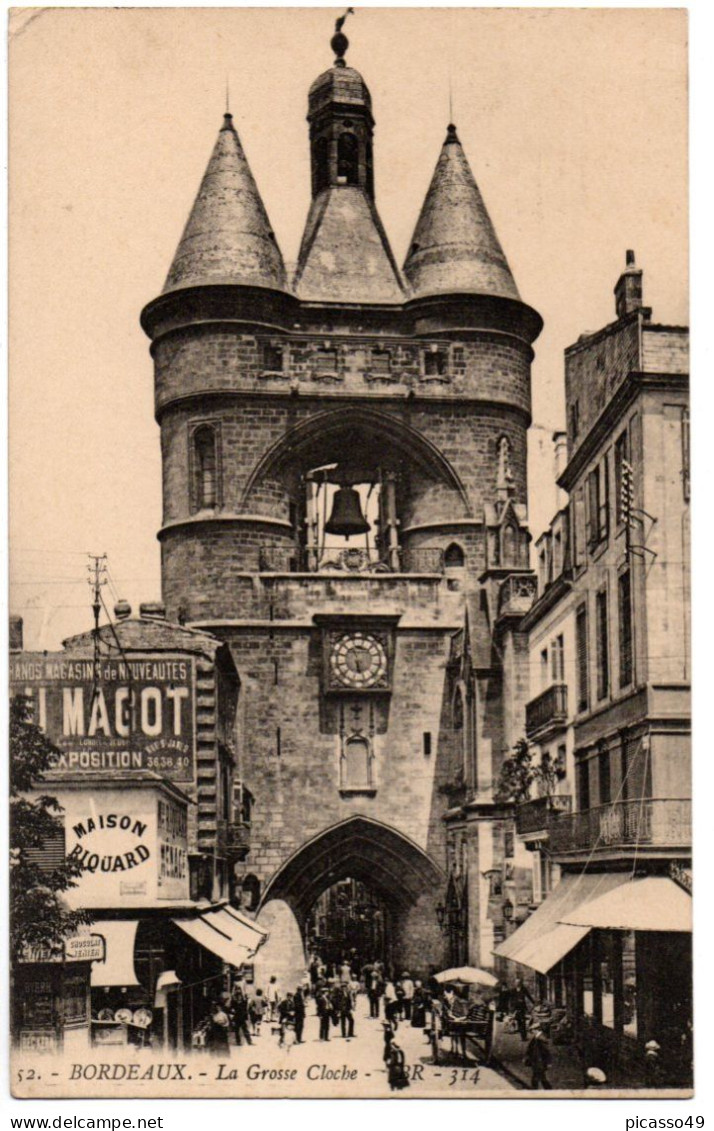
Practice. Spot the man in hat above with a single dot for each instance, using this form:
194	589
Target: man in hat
538	1058
408	987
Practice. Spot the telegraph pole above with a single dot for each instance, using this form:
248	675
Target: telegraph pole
97	569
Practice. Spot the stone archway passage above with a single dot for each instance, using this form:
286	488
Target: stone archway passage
388	862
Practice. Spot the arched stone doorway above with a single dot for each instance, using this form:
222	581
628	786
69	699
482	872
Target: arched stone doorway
399	874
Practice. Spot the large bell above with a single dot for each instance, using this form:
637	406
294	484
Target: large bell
346	517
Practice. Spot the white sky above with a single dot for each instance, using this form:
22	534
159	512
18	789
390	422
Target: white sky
574	122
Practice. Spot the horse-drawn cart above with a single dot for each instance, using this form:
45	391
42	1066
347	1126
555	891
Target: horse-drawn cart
476	1026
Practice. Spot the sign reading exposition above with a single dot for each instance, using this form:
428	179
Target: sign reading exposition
134	715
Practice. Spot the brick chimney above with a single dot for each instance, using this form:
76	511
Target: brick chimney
560	460
15	635
628	288
152	610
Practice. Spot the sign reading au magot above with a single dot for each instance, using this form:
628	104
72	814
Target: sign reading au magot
138	715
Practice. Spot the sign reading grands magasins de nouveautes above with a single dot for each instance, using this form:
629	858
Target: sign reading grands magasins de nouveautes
128	715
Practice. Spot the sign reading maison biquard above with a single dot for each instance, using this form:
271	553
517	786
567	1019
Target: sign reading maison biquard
138	715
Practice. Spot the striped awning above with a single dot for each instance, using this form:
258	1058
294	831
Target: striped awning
548	934
649	903
227	933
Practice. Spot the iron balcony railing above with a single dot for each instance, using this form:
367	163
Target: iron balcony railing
550	709
536	815
426	559
654	822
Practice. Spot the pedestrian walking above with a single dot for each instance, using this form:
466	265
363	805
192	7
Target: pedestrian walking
397	1074
217	1030
345	972
519	998
272	997
324	1012
256	1011
400	996
336	1002
419	1004
374	988
390	1001
314	972
408	988
347	1020
286	1018
538	1058
299	1011
239	1014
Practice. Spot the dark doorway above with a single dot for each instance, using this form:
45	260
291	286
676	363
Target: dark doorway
349	920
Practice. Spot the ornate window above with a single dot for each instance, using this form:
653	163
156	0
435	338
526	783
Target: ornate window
205	468
356	769
357	748
505	475
509	551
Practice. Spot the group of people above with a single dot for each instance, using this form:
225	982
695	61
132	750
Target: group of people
397	999
243	1014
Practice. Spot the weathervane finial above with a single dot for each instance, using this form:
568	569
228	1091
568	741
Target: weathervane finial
339	42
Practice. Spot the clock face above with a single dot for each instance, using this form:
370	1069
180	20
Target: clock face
358	660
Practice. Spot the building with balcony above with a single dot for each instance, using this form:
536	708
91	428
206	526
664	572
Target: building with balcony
608	642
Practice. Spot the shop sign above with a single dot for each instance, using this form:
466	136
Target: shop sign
172	839
77	948
85	948
130	842
138	715
43	1040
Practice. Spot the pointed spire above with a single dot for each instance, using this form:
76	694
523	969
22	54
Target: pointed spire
345	255
454	247
228	237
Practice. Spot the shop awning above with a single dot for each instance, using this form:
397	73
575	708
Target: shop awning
651	903
226	933
117	969
551	948
548	934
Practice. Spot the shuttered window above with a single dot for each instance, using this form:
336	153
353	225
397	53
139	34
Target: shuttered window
601	644
50	856
581	634
624	600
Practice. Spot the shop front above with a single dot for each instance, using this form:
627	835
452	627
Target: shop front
51	995
613	952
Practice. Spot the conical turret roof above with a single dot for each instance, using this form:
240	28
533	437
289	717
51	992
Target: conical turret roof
228	237
455	247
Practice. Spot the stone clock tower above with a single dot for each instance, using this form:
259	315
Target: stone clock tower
344	483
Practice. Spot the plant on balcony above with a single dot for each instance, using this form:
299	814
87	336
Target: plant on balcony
519	773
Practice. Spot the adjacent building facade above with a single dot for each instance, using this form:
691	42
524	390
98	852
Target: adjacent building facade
142	713
609	661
